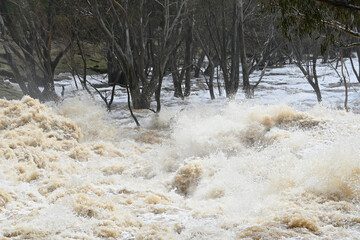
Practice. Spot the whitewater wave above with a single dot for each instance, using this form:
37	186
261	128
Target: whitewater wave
237	171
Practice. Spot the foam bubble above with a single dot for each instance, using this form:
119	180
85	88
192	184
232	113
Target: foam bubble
240	171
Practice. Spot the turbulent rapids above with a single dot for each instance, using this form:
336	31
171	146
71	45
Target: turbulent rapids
238	171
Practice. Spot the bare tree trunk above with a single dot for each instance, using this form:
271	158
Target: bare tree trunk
129	106
188	58
310	77
223	55
356	72
158	91
199	64
235	65
218	81
211	81
140	100
315	84
177	79
345	84
244	65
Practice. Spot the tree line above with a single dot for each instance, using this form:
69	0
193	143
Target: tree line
144	40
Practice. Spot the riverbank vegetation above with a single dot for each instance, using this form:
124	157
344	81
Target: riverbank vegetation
136	43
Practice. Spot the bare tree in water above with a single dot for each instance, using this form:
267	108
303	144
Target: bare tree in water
143	35
305	56
31	30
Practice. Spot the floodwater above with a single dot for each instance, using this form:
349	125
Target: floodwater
235	171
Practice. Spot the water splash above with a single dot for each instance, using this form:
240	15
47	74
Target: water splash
238	171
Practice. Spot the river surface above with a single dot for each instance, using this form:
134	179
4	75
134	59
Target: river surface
278	166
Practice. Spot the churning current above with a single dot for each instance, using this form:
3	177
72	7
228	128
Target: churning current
239	171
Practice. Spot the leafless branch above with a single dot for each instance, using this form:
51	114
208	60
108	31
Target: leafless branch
342	4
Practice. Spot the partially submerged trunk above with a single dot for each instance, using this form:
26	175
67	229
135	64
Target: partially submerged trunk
177	78
210	83
199	64
309	72
188	59
244	64
235	40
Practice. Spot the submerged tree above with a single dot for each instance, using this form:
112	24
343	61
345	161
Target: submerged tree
143	34
313	18
305	57
31	29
